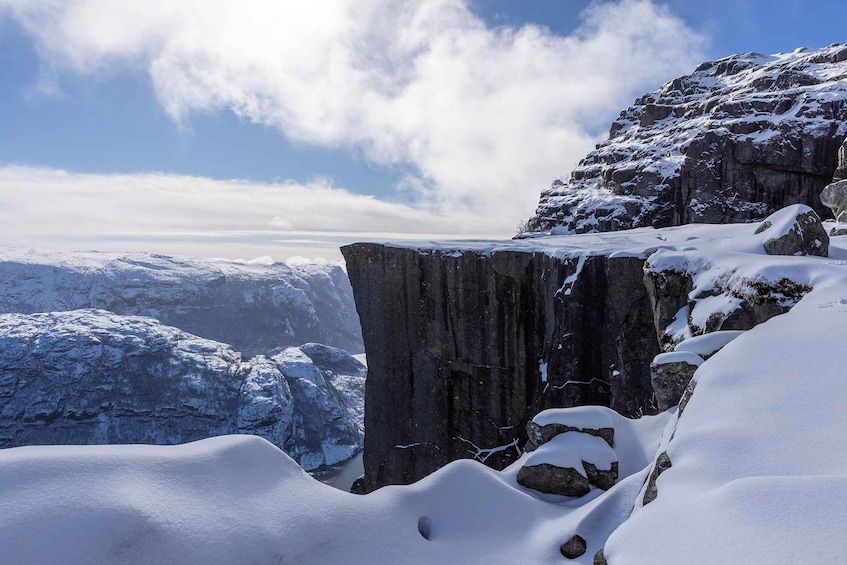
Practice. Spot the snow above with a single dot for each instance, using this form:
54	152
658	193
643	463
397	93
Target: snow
759	457
705	345
570	449
678	357
581	417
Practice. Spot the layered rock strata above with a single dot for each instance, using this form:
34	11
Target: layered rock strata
735	140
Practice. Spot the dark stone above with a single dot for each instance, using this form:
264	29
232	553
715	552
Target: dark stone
358	486
603	479
539	435
806	237
669	381
550	479
663	463
574	547
600	558
454	343
668	290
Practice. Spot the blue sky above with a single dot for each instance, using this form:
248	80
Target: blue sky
86	108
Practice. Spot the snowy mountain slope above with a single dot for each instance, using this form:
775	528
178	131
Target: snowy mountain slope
254	307
753	474
734	141
91	376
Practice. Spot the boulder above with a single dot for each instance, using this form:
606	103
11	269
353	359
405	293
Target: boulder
551	479
603	479
574	547
670	373
538	435
795	230
663	463
834	197
600	558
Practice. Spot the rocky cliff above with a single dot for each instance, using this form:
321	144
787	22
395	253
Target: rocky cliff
467	341
256	308
94	377
736	140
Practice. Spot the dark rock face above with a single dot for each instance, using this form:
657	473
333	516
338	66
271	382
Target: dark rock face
669	382
255	308
734	141
465	347
600	558
455	346
551	479
574	547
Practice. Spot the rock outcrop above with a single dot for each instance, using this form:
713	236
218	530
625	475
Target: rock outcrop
257	308
670	374
464	348
736	140
796	230
467	342
94	377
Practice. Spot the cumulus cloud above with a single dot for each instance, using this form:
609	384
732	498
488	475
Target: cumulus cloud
48	207
485	116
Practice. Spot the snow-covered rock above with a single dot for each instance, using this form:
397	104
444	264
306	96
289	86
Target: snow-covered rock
834	197
736	140
254	307
91	376
795	230
468	340
670	374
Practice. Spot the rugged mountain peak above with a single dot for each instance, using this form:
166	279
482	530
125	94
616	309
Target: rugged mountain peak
736	140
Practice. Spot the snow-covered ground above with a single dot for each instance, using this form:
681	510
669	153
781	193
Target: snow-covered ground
758	461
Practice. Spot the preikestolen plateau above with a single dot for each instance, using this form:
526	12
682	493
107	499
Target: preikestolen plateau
426	282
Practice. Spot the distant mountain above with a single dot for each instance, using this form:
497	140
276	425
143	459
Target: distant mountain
94	377
256	308
736	140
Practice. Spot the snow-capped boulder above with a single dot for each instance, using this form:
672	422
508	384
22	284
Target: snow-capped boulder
794	230
736	140
834	196
94	377
569	464
586	419
670	374
257	307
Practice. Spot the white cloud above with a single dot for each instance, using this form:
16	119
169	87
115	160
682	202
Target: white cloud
183	214
486	116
